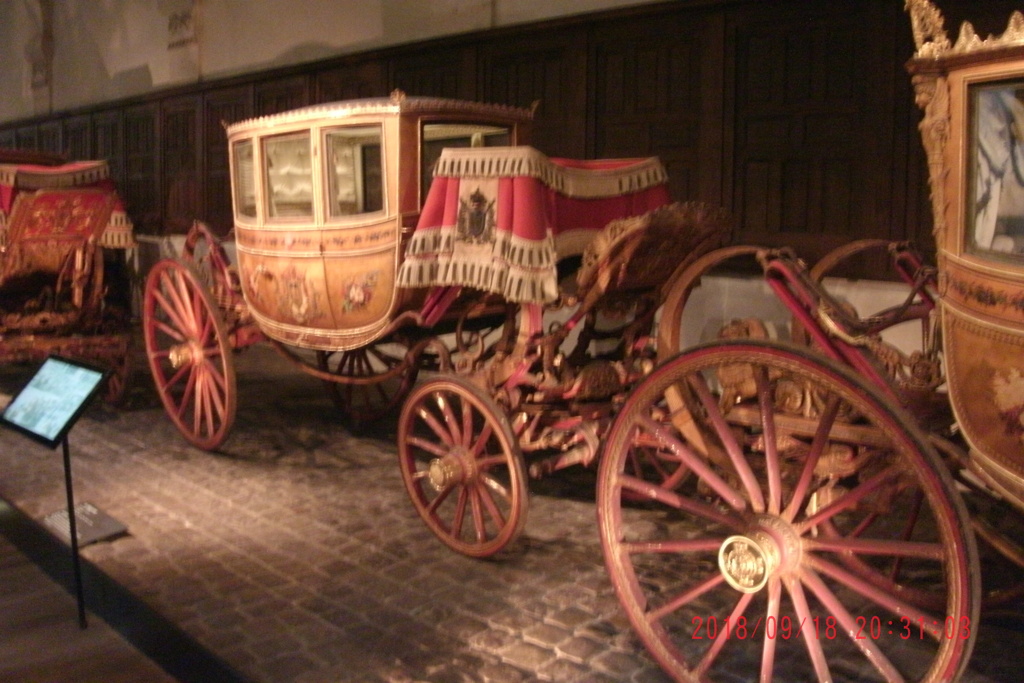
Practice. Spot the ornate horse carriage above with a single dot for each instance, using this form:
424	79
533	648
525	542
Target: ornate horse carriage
331	271
775	506
59	291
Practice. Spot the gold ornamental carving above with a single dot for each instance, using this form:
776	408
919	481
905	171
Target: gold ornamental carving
932	42
931	92
929	28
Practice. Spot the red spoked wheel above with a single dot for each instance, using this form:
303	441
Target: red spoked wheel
371	380
462	466
817	538
190	356
649	461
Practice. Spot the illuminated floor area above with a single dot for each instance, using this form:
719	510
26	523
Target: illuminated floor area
41	639
295	555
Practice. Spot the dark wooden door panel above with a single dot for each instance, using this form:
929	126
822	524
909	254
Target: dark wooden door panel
350	82
77	137
51	137
180	170
439	72
28	137
549	69
108	142
811	121
274	96
220	108
141	168
657	91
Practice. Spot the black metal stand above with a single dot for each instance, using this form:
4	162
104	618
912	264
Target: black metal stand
76	561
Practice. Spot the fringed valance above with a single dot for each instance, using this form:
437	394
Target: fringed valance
570	177
493	217
74	174
120	233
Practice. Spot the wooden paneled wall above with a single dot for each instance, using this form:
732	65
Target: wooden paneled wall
796	115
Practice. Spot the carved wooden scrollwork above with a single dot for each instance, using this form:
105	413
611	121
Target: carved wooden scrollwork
931	92
929	28
931	39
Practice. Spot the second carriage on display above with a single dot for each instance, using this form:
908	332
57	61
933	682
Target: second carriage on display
377	239
64	281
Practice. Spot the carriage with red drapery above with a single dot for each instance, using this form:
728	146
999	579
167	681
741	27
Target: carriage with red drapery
64	280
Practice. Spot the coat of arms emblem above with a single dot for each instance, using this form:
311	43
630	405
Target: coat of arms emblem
476	218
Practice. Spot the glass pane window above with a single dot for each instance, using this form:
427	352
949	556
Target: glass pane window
355	174
289	175
244	183
995	197
437	136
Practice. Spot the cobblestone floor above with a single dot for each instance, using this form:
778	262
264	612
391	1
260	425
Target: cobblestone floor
295	555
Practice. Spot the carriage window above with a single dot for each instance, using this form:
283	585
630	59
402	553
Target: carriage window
289	175
355	178
437	136
244	184
996	185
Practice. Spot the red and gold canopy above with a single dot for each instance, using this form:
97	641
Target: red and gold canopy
499	218
17	178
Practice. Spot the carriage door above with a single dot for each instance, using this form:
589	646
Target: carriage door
360	235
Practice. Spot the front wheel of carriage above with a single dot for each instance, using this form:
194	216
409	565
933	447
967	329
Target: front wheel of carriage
817	536
189	353
462	466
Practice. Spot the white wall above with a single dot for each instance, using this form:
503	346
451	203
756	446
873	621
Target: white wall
110	49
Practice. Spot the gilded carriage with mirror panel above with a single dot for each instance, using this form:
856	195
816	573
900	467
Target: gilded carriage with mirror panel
972	96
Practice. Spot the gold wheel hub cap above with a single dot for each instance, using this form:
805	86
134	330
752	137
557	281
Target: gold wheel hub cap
455	467
748	560
182	354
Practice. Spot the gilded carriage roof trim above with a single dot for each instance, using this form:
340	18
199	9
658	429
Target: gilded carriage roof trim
933	43
397	103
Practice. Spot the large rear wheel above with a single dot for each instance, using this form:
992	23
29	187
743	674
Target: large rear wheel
817	538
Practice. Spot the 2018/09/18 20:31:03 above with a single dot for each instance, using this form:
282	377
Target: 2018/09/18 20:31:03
827	628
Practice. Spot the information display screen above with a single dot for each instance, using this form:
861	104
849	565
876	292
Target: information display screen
51	402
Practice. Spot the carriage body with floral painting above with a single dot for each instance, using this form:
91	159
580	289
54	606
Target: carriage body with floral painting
377	238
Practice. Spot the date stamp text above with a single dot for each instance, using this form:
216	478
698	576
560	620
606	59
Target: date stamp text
829	628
